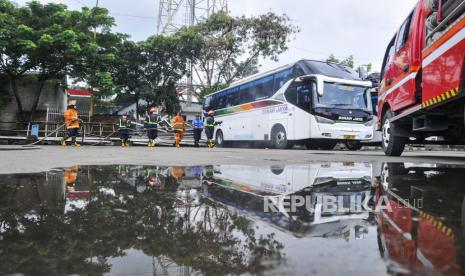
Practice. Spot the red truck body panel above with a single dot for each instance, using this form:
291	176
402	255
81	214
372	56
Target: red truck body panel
440	66
443	66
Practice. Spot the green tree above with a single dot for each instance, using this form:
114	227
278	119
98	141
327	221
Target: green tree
332	58
232	46
167	61
50	42
349	62
149	70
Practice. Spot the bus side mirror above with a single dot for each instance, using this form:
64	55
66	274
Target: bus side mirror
319	83
320	87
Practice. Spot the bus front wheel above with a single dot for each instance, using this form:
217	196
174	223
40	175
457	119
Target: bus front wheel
279	137
392	145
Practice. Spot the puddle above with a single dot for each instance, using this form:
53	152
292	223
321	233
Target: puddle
318	218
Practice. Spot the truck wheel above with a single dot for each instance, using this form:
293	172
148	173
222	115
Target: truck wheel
279	137
219	139
392	145
353	145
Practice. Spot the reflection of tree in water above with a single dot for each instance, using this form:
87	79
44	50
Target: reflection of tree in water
38	238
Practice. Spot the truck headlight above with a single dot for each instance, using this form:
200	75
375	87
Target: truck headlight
323	120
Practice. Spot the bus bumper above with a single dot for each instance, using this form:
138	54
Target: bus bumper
343	132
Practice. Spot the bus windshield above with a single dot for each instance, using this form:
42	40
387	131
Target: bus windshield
343	96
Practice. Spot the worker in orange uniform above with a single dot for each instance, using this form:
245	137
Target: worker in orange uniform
70	176
72	123
179	126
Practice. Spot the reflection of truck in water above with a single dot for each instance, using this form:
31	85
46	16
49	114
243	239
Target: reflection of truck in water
246	188
424	233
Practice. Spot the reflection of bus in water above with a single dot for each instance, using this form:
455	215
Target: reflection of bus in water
245	188
312	103
425	232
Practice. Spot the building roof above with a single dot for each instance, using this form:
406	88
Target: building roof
79	93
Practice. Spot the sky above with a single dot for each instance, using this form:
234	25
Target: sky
362	28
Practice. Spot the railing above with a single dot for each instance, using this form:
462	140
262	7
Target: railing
91	132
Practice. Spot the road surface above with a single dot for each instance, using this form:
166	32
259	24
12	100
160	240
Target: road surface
49	157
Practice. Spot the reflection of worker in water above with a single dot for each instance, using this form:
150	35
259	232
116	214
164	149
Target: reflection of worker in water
153	179
70	176
177	173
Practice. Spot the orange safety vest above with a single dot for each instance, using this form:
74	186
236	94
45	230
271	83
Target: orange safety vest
70	176
71	114
178	123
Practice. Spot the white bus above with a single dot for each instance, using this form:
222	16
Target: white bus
312	103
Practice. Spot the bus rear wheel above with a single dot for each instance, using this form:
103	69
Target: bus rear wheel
392	145
279	138
219	139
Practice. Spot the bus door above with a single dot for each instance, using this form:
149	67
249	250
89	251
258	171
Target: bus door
299	96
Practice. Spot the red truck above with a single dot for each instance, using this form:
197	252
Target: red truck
421	89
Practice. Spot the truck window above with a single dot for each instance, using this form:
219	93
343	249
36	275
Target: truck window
404	33
388	57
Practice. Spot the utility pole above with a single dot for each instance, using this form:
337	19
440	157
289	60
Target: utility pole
175	14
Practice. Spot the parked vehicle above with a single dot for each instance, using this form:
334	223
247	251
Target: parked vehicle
312	103
421	91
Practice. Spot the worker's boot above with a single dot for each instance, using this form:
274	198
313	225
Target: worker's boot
63	142
150	144
123	143
153	143
74	143
177	144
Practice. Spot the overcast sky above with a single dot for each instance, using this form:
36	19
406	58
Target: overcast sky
342	27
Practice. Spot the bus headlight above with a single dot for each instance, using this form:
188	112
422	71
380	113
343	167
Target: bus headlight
323	120
369	123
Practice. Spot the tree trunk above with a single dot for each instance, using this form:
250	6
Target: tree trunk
40	87
14	89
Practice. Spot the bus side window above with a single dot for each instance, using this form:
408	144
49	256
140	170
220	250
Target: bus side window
232	100
264	89
246	96
281	78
